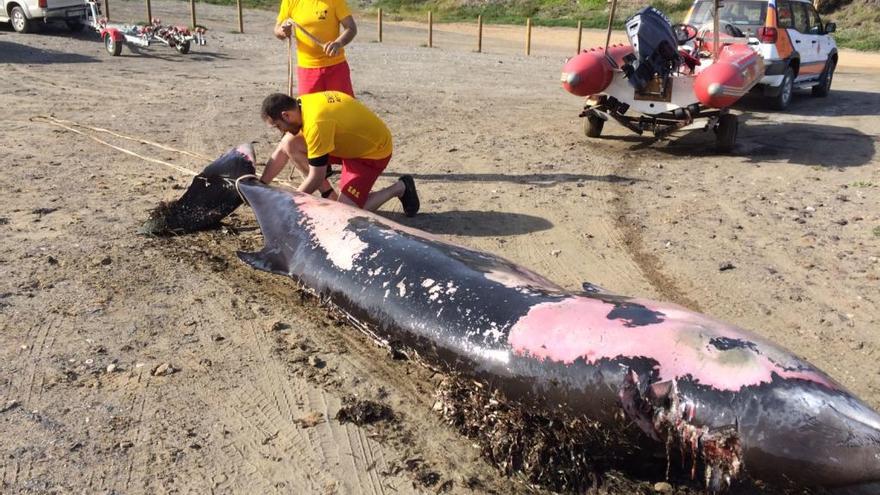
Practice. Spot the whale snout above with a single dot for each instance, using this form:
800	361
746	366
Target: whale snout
824	438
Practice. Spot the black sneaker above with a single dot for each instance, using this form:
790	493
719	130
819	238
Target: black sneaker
410	198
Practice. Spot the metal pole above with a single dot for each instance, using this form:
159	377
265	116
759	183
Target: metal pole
107	9
610	20
149	14
479	33
240	19
430	29
192	10
715	39
580	35
528	35
379	20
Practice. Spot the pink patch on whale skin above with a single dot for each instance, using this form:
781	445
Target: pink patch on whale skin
579	327
246	150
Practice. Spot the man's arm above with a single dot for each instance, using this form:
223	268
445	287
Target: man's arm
317	174
349	31
275	163
282	26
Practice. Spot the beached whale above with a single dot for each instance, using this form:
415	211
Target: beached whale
741	404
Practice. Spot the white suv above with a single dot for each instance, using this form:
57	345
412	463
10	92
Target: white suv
24	14
797	48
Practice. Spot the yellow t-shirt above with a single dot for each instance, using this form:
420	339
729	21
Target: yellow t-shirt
339	125
321	19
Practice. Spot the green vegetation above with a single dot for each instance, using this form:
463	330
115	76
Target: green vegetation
249	4
877	231
858	25
858	22
862	183
593	13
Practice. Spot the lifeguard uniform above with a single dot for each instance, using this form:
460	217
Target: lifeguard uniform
316	71
342	128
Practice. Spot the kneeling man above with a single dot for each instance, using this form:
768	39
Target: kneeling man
336	128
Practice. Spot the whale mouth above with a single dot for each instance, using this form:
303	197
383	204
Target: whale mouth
210	198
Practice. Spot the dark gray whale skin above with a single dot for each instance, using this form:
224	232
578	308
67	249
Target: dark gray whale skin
738	403
742	403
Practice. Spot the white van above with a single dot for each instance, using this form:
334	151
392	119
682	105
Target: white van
25	14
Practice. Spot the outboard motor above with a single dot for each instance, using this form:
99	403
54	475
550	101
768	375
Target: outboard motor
655	48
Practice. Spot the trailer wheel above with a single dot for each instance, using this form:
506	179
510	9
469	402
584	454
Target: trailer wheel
725	133
113	47
593	125
182	48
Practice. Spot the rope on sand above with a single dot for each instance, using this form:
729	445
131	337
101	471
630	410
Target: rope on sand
64	124
130	138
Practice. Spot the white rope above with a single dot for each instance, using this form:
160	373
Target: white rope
63	123
248	176
130	138
54	121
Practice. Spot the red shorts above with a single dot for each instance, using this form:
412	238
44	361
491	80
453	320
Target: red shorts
358	176
334	78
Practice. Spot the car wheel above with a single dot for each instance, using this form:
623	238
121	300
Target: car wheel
112	46
182	48
781	101
75	26
20	23
593	125
824	87
725	133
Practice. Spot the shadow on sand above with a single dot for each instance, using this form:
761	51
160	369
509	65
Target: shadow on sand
13	53
537	180
473	223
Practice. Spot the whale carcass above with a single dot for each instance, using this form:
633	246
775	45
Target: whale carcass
743	404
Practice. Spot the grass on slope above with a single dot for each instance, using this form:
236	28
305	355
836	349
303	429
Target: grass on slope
593	13
858	23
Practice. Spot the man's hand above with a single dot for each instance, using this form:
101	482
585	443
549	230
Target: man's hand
316	176
283	30
332	48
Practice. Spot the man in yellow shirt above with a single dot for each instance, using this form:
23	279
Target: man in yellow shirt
321	65
336	129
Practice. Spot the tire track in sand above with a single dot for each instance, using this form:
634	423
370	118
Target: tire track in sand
279	456
630	229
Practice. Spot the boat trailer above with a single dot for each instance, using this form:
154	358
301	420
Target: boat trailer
181	38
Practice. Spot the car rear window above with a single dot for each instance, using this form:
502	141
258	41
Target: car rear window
746	15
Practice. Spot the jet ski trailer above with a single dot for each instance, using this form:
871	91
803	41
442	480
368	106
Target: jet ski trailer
670	76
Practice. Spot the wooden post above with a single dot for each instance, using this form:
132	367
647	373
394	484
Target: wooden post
430	29
715	35
149	14
240	18
580	36
192	10
107	9
528	35
610	21
379	21
479	33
